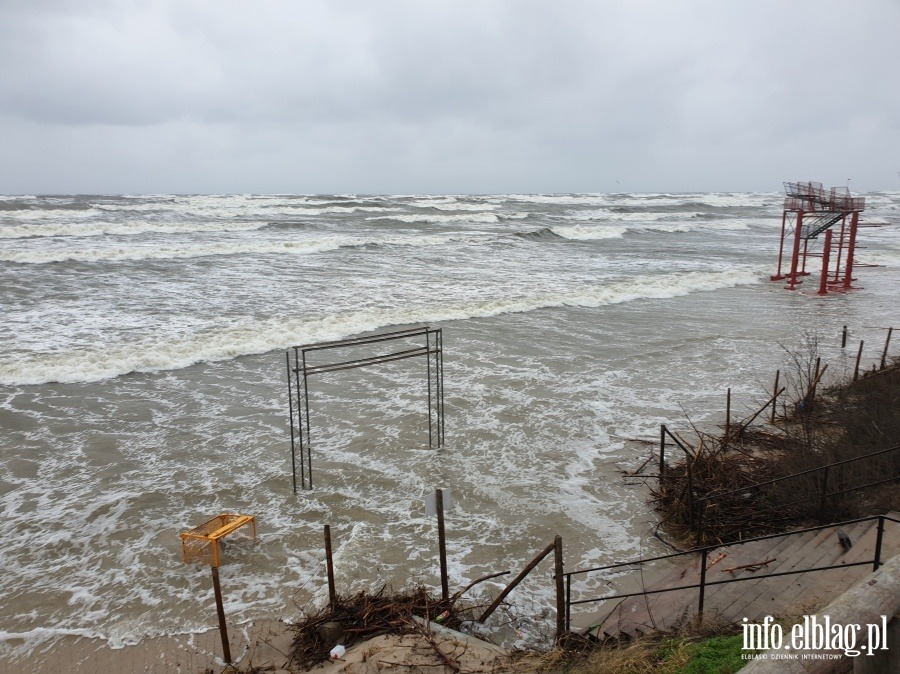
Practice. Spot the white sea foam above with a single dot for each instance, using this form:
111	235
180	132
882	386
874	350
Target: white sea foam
155	251
22	644
86	364
479	217
584	233
127	228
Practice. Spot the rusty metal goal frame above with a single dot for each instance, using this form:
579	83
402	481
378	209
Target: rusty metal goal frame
301	369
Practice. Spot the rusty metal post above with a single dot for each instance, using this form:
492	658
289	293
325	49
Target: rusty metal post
727	414
329	567
844	338
702	585
442	542
690	491
823	497
884	353
291	418
220	609
851	247
858	356
560	590
515	581
826	254
662	452
879	537
795	255
811	394
775	396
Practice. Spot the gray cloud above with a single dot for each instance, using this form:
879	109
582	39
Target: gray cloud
227	96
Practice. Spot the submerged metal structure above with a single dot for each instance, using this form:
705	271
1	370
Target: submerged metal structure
307	361
810	210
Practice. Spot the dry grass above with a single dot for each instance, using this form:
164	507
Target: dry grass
660	652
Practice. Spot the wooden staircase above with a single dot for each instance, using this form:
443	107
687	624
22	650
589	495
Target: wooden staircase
755	597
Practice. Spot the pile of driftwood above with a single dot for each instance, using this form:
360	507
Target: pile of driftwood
349	620
723	487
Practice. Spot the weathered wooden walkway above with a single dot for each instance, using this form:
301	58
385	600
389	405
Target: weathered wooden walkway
756	597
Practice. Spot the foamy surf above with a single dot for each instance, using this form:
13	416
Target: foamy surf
226	343
557	349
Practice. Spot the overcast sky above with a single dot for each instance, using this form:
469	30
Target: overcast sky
441	96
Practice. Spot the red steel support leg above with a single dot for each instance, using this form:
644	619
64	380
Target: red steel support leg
840	250
854	221
792	277
778	275
826	253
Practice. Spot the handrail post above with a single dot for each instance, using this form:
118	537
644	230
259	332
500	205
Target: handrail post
329	568
878	539
702	585
690	491
568	602
442	542
662	453
885	352
560	593
698	531
824	492
775	396
858	356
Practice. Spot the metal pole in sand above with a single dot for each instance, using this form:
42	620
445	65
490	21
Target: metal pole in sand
220	609
329	567
442	542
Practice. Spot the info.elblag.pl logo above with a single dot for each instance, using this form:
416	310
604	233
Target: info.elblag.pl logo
814	634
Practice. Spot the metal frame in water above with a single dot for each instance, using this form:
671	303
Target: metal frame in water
301	369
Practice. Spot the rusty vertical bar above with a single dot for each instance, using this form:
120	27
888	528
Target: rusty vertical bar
811	394
441	375
851	247
858	356
329	568
844	338
840	250
291	417
885	352
306	409
775	395
879	538
302	417
823	497
220	610
662	452
826	254
798	230
568	602
727	414
442	542
778	275
428	369
560	592
690	491
702	585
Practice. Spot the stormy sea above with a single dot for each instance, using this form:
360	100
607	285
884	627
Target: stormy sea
143	386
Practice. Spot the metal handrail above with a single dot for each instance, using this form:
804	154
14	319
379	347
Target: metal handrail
696	518
704	551
793	475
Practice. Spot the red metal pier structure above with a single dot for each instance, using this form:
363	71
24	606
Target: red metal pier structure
810	210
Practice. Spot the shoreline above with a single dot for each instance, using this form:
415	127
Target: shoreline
265	640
